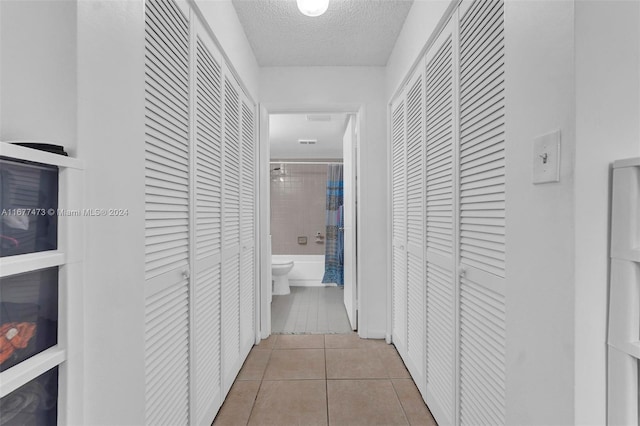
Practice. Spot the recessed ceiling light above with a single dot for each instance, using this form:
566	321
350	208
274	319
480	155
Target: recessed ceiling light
313	7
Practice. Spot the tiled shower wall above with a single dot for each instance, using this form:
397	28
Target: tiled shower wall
298	201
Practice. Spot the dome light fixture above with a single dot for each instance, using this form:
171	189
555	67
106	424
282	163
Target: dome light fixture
313	7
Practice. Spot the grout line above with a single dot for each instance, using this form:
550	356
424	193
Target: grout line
404	413
261	380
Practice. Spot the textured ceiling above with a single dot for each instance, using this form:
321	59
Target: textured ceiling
286	129
350	33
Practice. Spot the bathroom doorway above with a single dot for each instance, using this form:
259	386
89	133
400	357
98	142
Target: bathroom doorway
309	254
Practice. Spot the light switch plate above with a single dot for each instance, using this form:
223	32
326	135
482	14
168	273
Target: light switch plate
546	158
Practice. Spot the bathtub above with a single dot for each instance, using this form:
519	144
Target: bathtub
307	270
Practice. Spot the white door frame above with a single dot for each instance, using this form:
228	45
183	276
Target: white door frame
265	109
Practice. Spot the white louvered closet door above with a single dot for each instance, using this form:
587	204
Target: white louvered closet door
166	213
482	213
415	358
399	225
232	359
247	227
440	221
206	336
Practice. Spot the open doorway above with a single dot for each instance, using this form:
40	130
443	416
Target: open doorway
308	221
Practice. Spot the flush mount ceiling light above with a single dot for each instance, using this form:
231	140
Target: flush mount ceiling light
313	7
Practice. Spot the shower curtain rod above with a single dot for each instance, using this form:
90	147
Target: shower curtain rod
305	162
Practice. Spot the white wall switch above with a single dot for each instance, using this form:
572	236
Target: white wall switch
546	158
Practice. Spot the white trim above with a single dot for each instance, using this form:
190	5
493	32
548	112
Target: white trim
264	236
31	368
19	264
358	109
8	149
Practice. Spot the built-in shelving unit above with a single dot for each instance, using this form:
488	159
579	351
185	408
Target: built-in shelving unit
624	297
41	283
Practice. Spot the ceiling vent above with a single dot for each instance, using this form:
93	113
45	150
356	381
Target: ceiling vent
307	141
318	117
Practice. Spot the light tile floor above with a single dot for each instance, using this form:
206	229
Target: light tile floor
310	310
333	379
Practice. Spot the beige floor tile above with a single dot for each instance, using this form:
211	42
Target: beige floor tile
237	407
363	402
351	341
414	407
254	366
267	343
296	364
392	362
345	341
291	402
354	364
300	341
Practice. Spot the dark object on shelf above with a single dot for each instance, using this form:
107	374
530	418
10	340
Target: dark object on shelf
48	147
34	403
28	315
28	207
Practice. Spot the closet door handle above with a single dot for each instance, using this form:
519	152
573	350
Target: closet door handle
186	274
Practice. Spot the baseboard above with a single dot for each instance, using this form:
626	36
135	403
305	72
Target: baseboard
309	283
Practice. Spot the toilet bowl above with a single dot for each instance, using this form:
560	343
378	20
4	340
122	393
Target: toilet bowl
280	272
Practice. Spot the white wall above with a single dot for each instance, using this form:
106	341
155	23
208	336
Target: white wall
37	71
223	20
607	129
540	229
111	143
419	25
315	87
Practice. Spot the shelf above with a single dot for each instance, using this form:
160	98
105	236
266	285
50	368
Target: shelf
30	154
632	255
29	369
629	162
18	264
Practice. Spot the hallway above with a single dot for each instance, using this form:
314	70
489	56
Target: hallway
336	379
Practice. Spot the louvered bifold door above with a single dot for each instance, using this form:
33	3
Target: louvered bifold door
399	226
440	212
166	213
416	289
482	213
247	227
206	337
232	359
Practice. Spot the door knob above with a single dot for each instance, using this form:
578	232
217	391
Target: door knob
186	274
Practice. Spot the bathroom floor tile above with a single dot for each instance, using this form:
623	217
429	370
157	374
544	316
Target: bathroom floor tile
393	364
294	364
254	366
237	407
354	364
414	407
364	402
315	310
302	341
290	402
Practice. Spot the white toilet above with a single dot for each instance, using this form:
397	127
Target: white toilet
280	270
